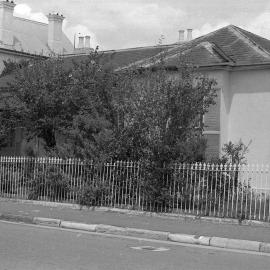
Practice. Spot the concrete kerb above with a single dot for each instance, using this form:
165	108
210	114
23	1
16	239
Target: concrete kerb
235	244
189	239
47	221
221	242
78	226
16	218
179	216
160	235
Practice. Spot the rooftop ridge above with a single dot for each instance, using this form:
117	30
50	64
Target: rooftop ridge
125	50
256	35
139	48
32	21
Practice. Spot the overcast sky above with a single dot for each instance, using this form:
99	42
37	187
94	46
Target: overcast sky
115	24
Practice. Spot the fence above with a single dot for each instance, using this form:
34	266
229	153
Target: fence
203	189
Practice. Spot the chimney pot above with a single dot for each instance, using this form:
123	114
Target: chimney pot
81	42
189	34
181	35
87	41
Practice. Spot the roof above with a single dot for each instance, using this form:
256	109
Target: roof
32	37
229	45
123	57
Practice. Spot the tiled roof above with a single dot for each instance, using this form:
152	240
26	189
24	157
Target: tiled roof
125	57
229	45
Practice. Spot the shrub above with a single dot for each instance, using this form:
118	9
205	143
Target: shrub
93	194
53	184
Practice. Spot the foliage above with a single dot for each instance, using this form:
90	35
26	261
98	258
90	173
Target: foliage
53	184
91	193
10	66
235	153
8	184
92	111
70	109
161	116
160	126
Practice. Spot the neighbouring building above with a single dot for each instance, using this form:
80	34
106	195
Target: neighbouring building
22	39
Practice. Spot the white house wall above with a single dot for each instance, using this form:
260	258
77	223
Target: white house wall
250	113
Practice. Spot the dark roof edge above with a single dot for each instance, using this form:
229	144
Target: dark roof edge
234	67
9	51
123	50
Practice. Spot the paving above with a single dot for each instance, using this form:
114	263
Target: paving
174	229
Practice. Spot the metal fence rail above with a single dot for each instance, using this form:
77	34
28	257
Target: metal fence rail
203	189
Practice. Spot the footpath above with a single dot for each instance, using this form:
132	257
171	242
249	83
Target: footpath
210	232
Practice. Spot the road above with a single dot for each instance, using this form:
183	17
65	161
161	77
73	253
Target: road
26	247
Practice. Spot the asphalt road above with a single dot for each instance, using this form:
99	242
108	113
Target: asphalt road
26	247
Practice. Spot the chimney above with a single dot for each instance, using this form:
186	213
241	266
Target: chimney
87	41
6	22
55	33
81	42
181	36
189	34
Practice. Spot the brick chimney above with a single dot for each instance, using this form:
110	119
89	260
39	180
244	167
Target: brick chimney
6	22
55	32
189	34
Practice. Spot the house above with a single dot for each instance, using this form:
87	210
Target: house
23	39
240	63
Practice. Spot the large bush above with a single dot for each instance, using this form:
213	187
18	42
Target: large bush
51	183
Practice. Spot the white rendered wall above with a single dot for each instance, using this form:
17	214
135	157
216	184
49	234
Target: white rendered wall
250	113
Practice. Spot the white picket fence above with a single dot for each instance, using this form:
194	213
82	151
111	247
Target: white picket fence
203	189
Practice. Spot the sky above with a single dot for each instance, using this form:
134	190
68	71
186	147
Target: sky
118	24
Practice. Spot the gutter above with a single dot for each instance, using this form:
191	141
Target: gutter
9	51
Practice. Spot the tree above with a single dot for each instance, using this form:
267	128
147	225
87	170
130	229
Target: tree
162	115
162	126
89	110
10	66
69	108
